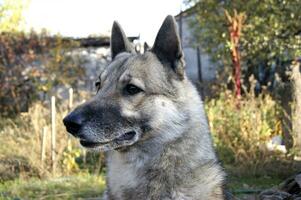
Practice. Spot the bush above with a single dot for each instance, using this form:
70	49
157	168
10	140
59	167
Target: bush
241	131
33	65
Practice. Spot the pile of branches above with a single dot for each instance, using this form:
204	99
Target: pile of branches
290	189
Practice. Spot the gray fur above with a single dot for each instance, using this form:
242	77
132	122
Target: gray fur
171	155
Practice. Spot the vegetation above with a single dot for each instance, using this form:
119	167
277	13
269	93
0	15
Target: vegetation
11	15
33	66
84	185
266	36
241	135
271	34
73	187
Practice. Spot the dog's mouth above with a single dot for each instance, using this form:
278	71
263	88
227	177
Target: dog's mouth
125	139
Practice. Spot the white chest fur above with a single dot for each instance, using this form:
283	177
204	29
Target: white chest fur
121	174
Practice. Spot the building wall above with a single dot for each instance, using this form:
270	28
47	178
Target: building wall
208	68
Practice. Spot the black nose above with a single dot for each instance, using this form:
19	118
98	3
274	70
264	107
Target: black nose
73	123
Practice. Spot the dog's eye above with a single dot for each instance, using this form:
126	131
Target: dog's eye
131	89
97	85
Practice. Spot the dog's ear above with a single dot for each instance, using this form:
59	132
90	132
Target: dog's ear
167	46
119	42
146	47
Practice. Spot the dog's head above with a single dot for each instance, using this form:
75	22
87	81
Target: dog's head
137	96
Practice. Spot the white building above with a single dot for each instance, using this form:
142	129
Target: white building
199	66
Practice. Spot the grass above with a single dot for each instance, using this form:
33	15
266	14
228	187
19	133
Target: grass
237	184
83	186
73	187
249	187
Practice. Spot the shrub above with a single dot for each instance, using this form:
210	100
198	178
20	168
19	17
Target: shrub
242	132
33	65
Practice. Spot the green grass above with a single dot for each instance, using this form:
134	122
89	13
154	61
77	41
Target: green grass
253	183
73	187
85	185
247	187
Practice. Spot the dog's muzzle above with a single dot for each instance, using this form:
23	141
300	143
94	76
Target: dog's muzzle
74	123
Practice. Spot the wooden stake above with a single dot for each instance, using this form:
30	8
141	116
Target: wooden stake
296	79
43	144
53	132
85	156
70	105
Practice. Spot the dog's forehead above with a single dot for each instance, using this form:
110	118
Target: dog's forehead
142	65
115	66
133	66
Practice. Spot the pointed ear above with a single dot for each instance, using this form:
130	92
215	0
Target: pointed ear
119	42
167	46
146	47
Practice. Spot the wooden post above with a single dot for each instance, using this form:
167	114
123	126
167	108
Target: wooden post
200	75
53	133
84	150
70	102
181	26
199	61
70	105
43	145
99	164
84	156
296	79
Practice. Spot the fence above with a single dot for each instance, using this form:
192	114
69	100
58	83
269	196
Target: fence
53	133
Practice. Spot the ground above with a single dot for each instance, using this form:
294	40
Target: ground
87	186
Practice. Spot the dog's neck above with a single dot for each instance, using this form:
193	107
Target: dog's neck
144	165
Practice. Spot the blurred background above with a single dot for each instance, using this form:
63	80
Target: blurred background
243	56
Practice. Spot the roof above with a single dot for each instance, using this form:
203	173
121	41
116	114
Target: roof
187	12
98	41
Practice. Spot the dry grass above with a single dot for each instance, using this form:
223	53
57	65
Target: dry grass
239	136
22	137
20	150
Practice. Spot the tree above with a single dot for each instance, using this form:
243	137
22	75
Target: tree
11	15
271	34
31	64
270	41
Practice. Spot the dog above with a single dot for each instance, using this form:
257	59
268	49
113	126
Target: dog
149	119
